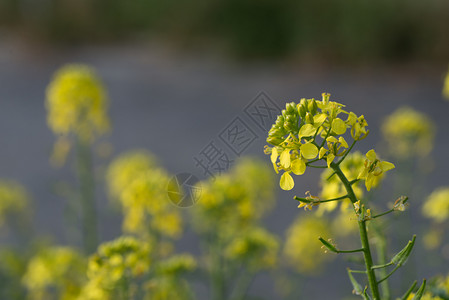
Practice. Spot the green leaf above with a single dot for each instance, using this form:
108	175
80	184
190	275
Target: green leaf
309	151
306	130
338	126
298	166
286	182
420	291
401	257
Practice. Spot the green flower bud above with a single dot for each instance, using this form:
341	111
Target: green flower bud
302	111
309	118
312	106
291	108
284	113
280	121
275	140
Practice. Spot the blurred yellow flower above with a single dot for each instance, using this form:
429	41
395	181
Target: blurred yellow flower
13	199
446	86
234	199
256	247
112	271
302	248
140	186
55	273
125	168
436	205
76	103
409	133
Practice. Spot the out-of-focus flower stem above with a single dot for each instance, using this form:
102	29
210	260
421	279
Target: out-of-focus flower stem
87	194
372	281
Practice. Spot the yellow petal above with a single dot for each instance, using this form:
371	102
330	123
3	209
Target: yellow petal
322	152
306	130
286	182
285	158
371	155
386	166
309	150
274	155
338	126
329	159
319	119
343	142
298	166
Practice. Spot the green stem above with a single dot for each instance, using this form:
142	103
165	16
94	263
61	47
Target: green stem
87	193
363	235
381	247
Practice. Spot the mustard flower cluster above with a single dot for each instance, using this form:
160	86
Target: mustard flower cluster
436	205
302	247
140	185
112	271
314	130
55	273
76	103
168	282
236	198
409	133
255	246
13	199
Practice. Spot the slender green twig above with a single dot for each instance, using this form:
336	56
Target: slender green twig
389	274
384	213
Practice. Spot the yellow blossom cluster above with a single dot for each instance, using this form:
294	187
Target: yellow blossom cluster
112	271
13	199
55	273
436	205
409	133
140	185
302	247
76	103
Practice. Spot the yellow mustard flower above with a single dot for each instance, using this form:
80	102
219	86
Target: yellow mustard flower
436	205
55	273
302	248
76	103
374	168
308	132
409	133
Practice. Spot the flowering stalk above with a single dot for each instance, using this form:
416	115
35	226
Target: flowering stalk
363	234
295	137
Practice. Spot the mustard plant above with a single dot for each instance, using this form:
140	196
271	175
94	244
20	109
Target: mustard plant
315	134
76	103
